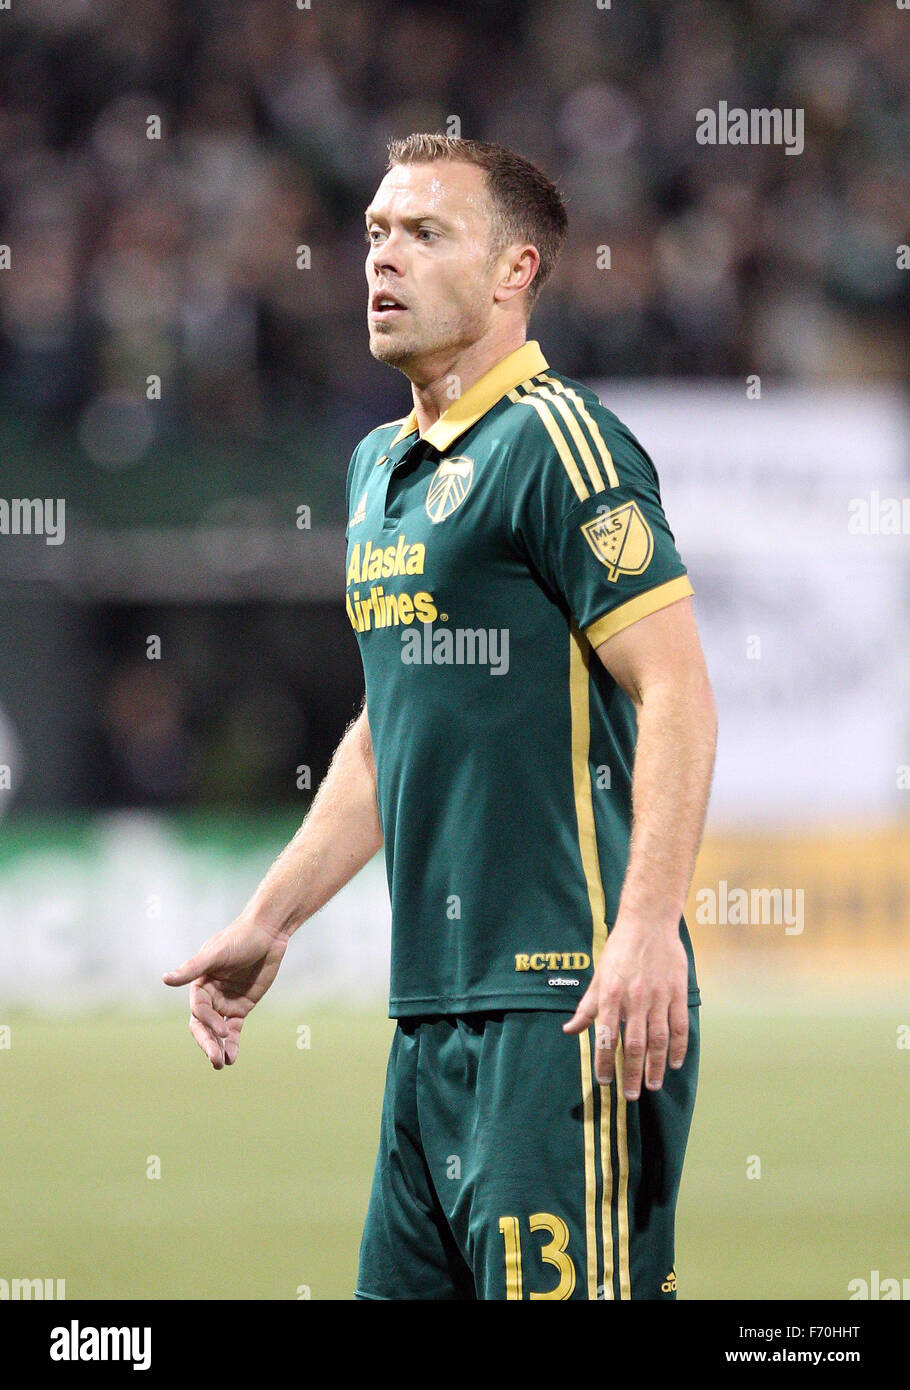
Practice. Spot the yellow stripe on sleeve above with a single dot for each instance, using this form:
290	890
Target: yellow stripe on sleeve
558	440
606	457
581	444
661	596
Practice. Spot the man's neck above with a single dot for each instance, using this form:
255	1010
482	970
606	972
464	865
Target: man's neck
446	384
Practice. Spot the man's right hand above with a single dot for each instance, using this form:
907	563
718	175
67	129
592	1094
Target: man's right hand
227	976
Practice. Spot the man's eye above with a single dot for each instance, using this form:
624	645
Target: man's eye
426	233
371	234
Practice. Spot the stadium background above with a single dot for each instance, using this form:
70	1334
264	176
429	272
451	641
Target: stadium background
184	361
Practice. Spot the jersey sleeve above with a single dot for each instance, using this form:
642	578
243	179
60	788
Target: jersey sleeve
582	501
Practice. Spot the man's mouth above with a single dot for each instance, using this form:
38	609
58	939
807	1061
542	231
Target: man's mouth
384	306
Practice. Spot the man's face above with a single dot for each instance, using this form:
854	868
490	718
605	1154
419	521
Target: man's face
429	233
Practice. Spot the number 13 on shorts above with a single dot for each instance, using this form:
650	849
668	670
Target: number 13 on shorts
554	1252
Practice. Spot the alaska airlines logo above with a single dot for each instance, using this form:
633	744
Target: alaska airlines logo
450	486
621	540
376	608
384	562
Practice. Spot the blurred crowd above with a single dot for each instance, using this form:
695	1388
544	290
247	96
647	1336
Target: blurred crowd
245	705
182	185
163	162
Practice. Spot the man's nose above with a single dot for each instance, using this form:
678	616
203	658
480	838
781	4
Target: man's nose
386	256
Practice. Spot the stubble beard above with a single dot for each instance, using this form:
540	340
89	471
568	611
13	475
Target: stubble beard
416	346
393	348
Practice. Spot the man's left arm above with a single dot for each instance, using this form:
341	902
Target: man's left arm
641	978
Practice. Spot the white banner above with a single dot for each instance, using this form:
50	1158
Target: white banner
786	511
98	919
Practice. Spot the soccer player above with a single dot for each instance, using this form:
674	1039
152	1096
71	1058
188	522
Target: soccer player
534	752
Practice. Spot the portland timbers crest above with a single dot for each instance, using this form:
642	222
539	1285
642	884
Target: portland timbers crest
449	487
621	540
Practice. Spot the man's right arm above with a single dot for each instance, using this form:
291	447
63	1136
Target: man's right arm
341	832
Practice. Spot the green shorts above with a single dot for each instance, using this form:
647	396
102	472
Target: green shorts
506	1172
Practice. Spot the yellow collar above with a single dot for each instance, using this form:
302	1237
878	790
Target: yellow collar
524	362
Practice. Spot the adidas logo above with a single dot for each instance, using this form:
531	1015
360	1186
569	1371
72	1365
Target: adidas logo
669	1284
360	512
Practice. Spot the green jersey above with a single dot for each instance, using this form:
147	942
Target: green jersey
486	560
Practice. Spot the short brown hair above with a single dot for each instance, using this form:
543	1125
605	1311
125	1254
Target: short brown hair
527	207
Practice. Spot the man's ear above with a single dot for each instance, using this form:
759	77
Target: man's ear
521	265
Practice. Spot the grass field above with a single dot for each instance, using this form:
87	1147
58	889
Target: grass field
265	1169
